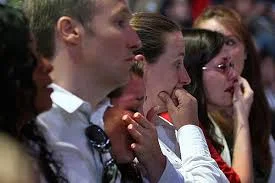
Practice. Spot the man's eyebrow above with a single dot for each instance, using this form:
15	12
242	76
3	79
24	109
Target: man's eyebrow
123	10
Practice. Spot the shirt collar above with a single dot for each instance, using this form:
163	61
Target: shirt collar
70	103
97	117
64	99
160	121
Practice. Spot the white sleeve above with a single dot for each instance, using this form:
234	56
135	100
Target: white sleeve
170	174
196	163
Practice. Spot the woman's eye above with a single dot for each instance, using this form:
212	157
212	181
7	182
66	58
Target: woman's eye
230	42
222	67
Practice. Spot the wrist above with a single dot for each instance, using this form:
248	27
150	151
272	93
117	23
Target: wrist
154	170
181	124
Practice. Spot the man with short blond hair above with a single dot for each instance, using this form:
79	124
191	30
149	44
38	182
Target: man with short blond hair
90	44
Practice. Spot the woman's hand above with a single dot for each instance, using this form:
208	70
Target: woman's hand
242	157
183	113
242	98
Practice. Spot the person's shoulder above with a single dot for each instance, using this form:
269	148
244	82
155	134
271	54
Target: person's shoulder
57	113
54	121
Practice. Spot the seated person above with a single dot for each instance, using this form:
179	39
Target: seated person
188	159
25	79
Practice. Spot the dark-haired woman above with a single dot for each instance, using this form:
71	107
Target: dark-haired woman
25	79
217	85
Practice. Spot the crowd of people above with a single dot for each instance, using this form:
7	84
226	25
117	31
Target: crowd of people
177	91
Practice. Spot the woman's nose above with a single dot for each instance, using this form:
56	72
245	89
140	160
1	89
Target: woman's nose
184	77
46	65
232	74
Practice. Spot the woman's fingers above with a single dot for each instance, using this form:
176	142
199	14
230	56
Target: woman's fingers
246	87
237	92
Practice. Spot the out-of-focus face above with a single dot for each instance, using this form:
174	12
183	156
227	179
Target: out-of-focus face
244	7
110	44
268	71
42	80
132	95
219	77
234	45
179	11
168	72
116	129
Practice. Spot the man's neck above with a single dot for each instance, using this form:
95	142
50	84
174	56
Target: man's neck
87	87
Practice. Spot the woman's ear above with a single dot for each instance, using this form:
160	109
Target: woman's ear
140	58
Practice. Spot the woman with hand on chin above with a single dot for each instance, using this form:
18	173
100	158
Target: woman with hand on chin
182	142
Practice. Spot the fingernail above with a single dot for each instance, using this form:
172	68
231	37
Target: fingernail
136	115
133	146
161	94
124	117
130	126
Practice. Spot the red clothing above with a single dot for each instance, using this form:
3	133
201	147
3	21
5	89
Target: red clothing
228	171
198	6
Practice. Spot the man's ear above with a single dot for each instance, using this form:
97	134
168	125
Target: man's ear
69	30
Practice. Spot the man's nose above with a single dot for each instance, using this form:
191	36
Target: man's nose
133	41
45	65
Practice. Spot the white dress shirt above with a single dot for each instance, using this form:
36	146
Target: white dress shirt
64	127
221	139
188	153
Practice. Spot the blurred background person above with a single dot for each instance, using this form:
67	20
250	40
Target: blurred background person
127	99
244	57
146	5
179	11
130	97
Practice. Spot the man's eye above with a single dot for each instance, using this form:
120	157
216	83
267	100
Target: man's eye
120	23
178	64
